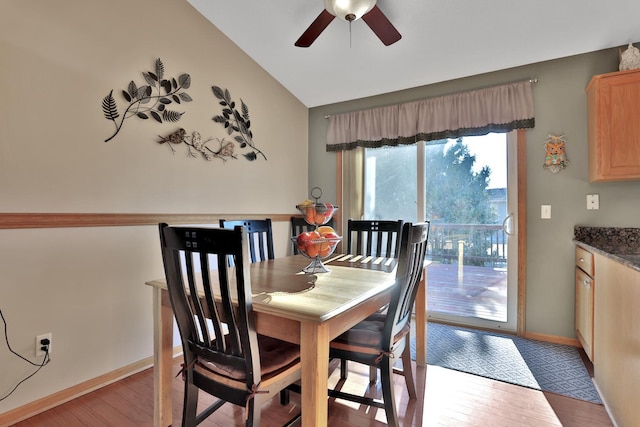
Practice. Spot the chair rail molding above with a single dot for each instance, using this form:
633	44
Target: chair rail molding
62	220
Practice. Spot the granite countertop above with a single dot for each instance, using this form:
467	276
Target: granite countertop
617	243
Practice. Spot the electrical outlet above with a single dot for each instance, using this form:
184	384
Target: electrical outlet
39	351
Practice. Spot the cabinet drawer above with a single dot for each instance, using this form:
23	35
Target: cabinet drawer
584	260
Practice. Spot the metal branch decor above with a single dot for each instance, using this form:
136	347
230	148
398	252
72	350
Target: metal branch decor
197	147
149	100
237	122
153	100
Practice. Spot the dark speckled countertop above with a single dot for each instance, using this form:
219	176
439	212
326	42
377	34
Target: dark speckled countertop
619	244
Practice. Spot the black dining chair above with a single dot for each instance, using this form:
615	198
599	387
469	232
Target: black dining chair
374	237
299	225
223	354
260	236
380	339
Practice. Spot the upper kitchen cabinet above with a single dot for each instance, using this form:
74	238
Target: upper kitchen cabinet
614	126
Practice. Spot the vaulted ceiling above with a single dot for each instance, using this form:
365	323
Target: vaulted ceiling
441	40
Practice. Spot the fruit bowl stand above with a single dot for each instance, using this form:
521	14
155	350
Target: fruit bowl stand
316	246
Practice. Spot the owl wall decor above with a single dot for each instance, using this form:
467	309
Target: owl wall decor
555	159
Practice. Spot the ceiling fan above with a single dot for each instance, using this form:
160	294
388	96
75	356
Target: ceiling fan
351	10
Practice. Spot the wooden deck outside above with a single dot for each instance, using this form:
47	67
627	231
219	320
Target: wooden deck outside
479	292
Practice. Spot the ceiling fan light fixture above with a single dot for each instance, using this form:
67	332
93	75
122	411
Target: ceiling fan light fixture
349	10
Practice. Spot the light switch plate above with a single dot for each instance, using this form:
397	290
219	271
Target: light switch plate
593	202
545	211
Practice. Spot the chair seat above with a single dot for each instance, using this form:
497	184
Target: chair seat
367	334
275	356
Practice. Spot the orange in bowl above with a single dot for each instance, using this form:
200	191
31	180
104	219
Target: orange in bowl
324	229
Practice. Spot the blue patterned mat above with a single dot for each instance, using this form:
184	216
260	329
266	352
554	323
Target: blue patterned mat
539	365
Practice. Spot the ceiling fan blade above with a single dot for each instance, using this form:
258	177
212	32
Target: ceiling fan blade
384	29
314	30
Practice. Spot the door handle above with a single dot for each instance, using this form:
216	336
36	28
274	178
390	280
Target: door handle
504	225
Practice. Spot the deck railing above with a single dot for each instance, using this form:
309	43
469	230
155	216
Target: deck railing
471	244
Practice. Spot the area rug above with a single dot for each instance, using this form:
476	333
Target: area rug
538	365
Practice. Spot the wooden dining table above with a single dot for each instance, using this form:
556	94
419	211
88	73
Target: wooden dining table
306	309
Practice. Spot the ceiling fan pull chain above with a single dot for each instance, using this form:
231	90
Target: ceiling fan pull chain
350	37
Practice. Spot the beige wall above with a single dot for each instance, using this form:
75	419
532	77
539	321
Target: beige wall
560	108
59	59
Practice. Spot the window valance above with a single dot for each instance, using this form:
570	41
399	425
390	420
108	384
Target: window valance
495	109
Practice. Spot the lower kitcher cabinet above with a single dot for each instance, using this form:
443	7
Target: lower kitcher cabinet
616	339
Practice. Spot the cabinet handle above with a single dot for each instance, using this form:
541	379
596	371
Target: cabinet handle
587	283
581	260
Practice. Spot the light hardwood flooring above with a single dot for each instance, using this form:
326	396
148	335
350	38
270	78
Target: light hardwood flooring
446	399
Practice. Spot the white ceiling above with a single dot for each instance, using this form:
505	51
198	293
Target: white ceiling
441	40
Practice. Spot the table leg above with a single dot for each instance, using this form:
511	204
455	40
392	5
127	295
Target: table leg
314	356
162	359
421	320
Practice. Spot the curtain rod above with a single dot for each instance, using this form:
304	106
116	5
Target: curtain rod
532	80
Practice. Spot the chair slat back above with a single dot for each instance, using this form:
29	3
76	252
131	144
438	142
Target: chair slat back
413	248
213	327
374	237
260	236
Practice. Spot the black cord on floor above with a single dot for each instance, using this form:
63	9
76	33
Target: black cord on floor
45	360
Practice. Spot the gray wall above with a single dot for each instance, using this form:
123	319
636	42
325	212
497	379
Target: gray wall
560	107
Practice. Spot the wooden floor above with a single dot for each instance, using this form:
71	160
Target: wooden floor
471	292
446	399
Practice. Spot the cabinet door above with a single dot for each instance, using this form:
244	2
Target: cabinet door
617	339
614	128
584	311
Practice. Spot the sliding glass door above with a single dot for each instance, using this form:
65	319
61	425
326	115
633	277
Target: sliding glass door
462	187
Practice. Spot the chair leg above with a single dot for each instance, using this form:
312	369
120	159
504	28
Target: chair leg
386	377
284	396
190	406
407	372
373	374
253	413
343	369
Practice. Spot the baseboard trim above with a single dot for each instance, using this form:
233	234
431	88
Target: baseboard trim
555	339
36	407
552	339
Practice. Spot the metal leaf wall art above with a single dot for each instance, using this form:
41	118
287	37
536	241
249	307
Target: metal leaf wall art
150	100
234	121
197	147
237	122
158	94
